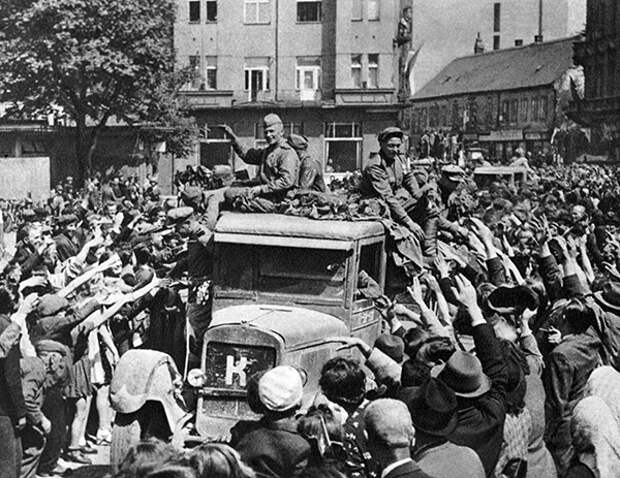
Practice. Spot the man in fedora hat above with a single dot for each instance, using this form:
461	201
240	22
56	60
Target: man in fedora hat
434	416
479	383
390	438
609	301
278	162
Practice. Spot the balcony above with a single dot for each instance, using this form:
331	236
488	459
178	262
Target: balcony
365	97
198	99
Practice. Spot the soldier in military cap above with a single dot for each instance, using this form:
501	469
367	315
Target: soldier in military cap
386	175
278	162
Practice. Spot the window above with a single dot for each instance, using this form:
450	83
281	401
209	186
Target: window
309	11
523	111
215	147
373	9
543	109
534	109
496	42
212	10
343	147
194	67
211	73
519	42
356	71
505	112
373	70
32	147
194	11
308	77
256	76
497	11
257	11
514	111
357	10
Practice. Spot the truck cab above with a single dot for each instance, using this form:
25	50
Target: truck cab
283	285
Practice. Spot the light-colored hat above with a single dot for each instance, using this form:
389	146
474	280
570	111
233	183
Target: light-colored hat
271	119
280	389
389	422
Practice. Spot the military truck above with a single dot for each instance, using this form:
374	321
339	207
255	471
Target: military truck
282	285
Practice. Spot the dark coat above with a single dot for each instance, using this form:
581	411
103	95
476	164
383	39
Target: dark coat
274	449
481	419
407	470
12	403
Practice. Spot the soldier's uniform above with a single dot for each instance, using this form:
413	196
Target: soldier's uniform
279	167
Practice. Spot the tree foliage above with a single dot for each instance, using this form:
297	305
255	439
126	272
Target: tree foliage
96	59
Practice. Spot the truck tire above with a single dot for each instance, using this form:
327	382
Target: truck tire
126	432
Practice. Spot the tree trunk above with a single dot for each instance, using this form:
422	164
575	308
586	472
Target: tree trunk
82	147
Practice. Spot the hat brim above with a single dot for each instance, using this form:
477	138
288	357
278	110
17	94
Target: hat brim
484	387
598	296
441	432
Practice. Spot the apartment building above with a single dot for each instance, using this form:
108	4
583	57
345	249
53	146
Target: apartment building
599	54
327	68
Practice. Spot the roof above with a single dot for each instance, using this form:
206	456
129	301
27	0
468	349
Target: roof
296	227
295	325
534	65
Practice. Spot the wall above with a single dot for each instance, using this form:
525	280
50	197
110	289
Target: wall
23	176
366	36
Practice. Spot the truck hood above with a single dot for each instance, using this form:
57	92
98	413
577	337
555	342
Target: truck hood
293	324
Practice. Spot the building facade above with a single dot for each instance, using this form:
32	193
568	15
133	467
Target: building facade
327	68
448	29
599	53
500	100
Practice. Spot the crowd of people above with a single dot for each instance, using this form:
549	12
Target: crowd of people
499	358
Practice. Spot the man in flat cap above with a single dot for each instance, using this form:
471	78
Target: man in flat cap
278	162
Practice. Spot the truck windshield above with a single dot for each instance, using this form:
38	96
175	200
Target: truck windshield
282	270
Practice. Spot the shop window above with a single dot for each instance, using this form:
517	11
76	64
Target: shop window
343	147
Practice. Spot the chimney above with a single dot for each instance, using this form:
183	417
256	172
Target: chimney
479	45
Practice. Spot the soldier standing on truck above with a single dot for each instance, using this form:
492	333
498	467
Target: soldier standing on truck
278	162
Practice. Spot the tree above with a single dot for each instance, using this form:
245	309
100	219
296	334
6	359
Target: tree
96	59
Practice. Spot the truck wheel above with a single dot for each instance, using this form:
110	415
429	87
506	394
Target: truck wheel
126	432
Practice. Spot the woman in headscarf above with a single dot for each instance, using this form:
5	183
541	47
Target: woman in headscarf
596	441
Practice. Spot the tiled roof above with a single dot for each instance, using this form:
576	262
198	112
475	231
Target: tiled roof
537	64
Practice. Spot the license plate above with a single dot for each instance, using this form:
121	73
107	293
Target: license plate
230	366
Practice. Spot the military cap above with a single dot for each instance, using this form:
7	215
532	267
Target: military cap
223	172
180	214
271	120
390	132
452	170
